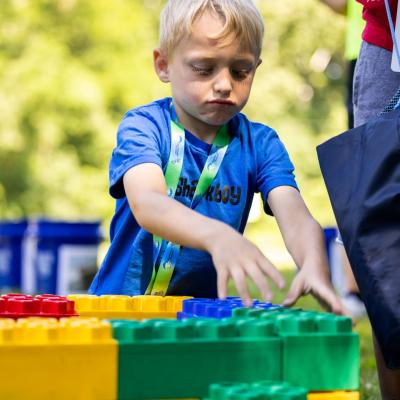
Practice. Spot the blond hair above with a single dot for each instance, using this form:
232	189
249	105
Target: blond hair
240	17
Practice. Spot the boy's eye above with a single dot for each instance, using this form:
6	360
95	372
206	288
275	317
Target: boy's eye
240	73
202	70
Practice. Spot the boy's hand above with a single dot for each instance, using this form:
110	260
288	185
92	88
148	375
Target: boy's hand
312	280
305	241
234	256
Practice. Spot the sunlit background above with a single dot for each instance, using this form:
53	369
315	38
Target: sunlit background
70	69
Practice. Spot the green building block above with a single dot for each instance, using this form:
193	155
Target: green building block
320	351
265	390
180	359
220	391
259	312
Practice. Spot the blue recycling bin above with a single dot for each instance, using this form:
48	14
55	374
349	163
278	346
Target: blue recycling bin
11	239
334	259
330	234
60	257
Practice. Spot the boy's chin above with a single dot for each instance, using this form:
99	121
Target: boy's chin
218	120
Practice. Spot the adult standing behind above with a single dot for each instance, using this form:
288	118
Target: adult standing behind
354	28
345	281
374	81
374	85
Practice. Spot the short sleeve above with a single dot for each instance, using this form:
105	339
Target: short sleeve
274	167
138	142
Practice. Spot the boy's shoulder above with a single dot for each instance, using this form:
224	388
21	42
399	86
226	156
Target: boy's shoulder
150	119
154	110
255	130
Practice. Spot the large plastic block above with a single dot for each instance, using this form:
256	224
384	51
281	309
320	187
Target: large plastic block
210	308
180	359
46	305
127	307
320	351
341	395
264	390
47	359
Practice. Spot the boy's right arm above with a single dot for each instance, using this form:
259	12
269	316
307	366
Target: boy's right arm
232	254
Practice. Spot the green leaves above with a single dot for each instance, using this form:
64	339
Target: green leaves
70	69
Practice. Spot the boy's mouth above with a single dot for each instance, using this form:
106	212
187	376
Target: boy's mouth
222	102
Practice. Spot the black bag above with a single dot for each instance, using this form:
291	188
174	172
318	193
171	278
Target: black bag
361	169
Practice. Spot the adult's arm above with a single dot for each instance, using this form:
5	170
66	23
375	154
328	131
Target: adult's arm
338	6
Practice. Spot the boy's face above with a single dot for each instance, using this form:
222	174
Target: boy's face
210	79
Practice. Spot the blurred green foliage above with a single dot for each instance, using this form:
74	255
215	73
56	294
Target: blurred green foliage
70	69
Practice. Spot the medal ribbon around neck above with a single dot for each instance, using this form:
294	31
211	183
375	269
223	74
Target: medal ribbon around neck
161	277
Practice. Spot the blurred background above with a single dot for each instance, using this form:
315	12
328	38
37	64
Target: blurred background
70	69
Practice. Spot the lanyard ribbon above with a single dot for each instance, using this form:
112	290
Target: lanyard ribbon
160	278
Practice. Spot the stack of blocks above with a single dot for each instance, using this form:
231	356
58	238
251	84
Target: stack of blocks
211	342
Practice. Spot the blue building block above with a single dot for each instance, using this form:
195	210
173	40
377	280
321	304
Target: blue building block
210	308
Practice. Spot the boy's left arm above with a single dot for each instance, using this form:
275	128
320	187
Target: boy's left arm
305	242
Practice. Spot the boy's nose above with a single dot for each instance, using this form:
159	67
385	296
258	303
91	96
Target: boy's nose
222	83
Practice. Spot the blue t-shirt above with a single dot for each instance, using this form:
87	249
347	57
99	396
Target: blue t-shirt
256	161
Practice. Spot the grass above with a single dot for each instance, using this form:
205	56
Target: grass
369	387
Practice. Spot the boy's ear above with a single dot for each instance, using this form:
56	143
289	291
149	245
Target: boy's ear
161	65
259	62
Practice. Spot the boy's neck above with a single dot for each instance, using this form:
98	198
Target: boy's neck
206	135
201	130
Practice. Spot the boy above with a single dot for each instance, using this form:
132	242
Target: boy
214	159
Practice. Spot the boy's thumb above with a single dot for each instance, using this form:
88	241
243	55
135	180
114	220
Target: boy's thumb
330	299
293	294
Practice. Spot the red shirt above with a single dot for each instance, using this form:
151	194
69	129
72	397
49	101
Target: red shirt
377	31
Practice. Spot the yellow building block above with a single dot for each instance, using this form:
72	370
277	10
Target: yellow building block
42	358
127	307
339	395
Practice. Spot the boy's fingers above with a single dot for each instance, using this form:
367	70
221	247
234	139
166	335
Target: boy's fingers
328	297
240	282
222	282
272	272
259	279
294	292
